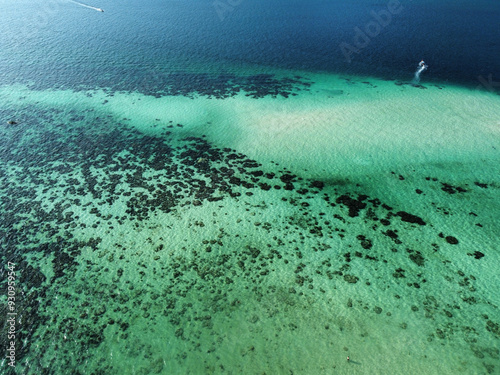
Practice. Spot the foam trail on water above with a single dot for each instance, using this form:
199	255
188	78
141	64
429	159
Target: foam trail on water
420	69
86	6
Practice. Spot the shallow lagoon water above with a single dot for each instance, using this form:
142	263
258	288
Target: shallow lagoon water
197	235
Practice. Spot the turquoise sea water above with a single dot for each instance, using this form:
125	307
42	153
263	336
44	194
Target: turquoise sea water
220	200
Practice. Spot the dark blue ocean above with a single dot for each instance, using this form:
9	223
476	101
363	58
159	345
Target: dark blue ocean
59	43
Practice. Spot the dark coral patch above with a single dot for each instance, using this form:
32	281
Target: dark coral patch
476	254
317	184
354	205
450	189
481	185
417	258
409	218
399	273
393	235
366	243
351	279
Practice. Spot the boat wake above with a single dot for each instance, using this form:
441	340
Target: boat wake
86	6
421	68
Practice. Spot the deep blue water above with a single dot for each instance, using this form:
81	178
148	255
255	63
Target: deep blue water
57	43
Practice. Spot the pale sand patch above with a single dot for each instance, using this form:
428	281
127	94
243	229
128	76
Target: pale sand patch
376	132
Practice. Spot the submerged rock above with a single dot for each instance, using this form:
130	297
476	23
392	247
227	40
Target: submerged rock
317	184
476	254
351	279
354	205
417	258
409	218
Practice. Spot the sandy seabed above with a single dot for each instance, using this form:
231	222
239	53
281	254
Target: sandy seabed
278	235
